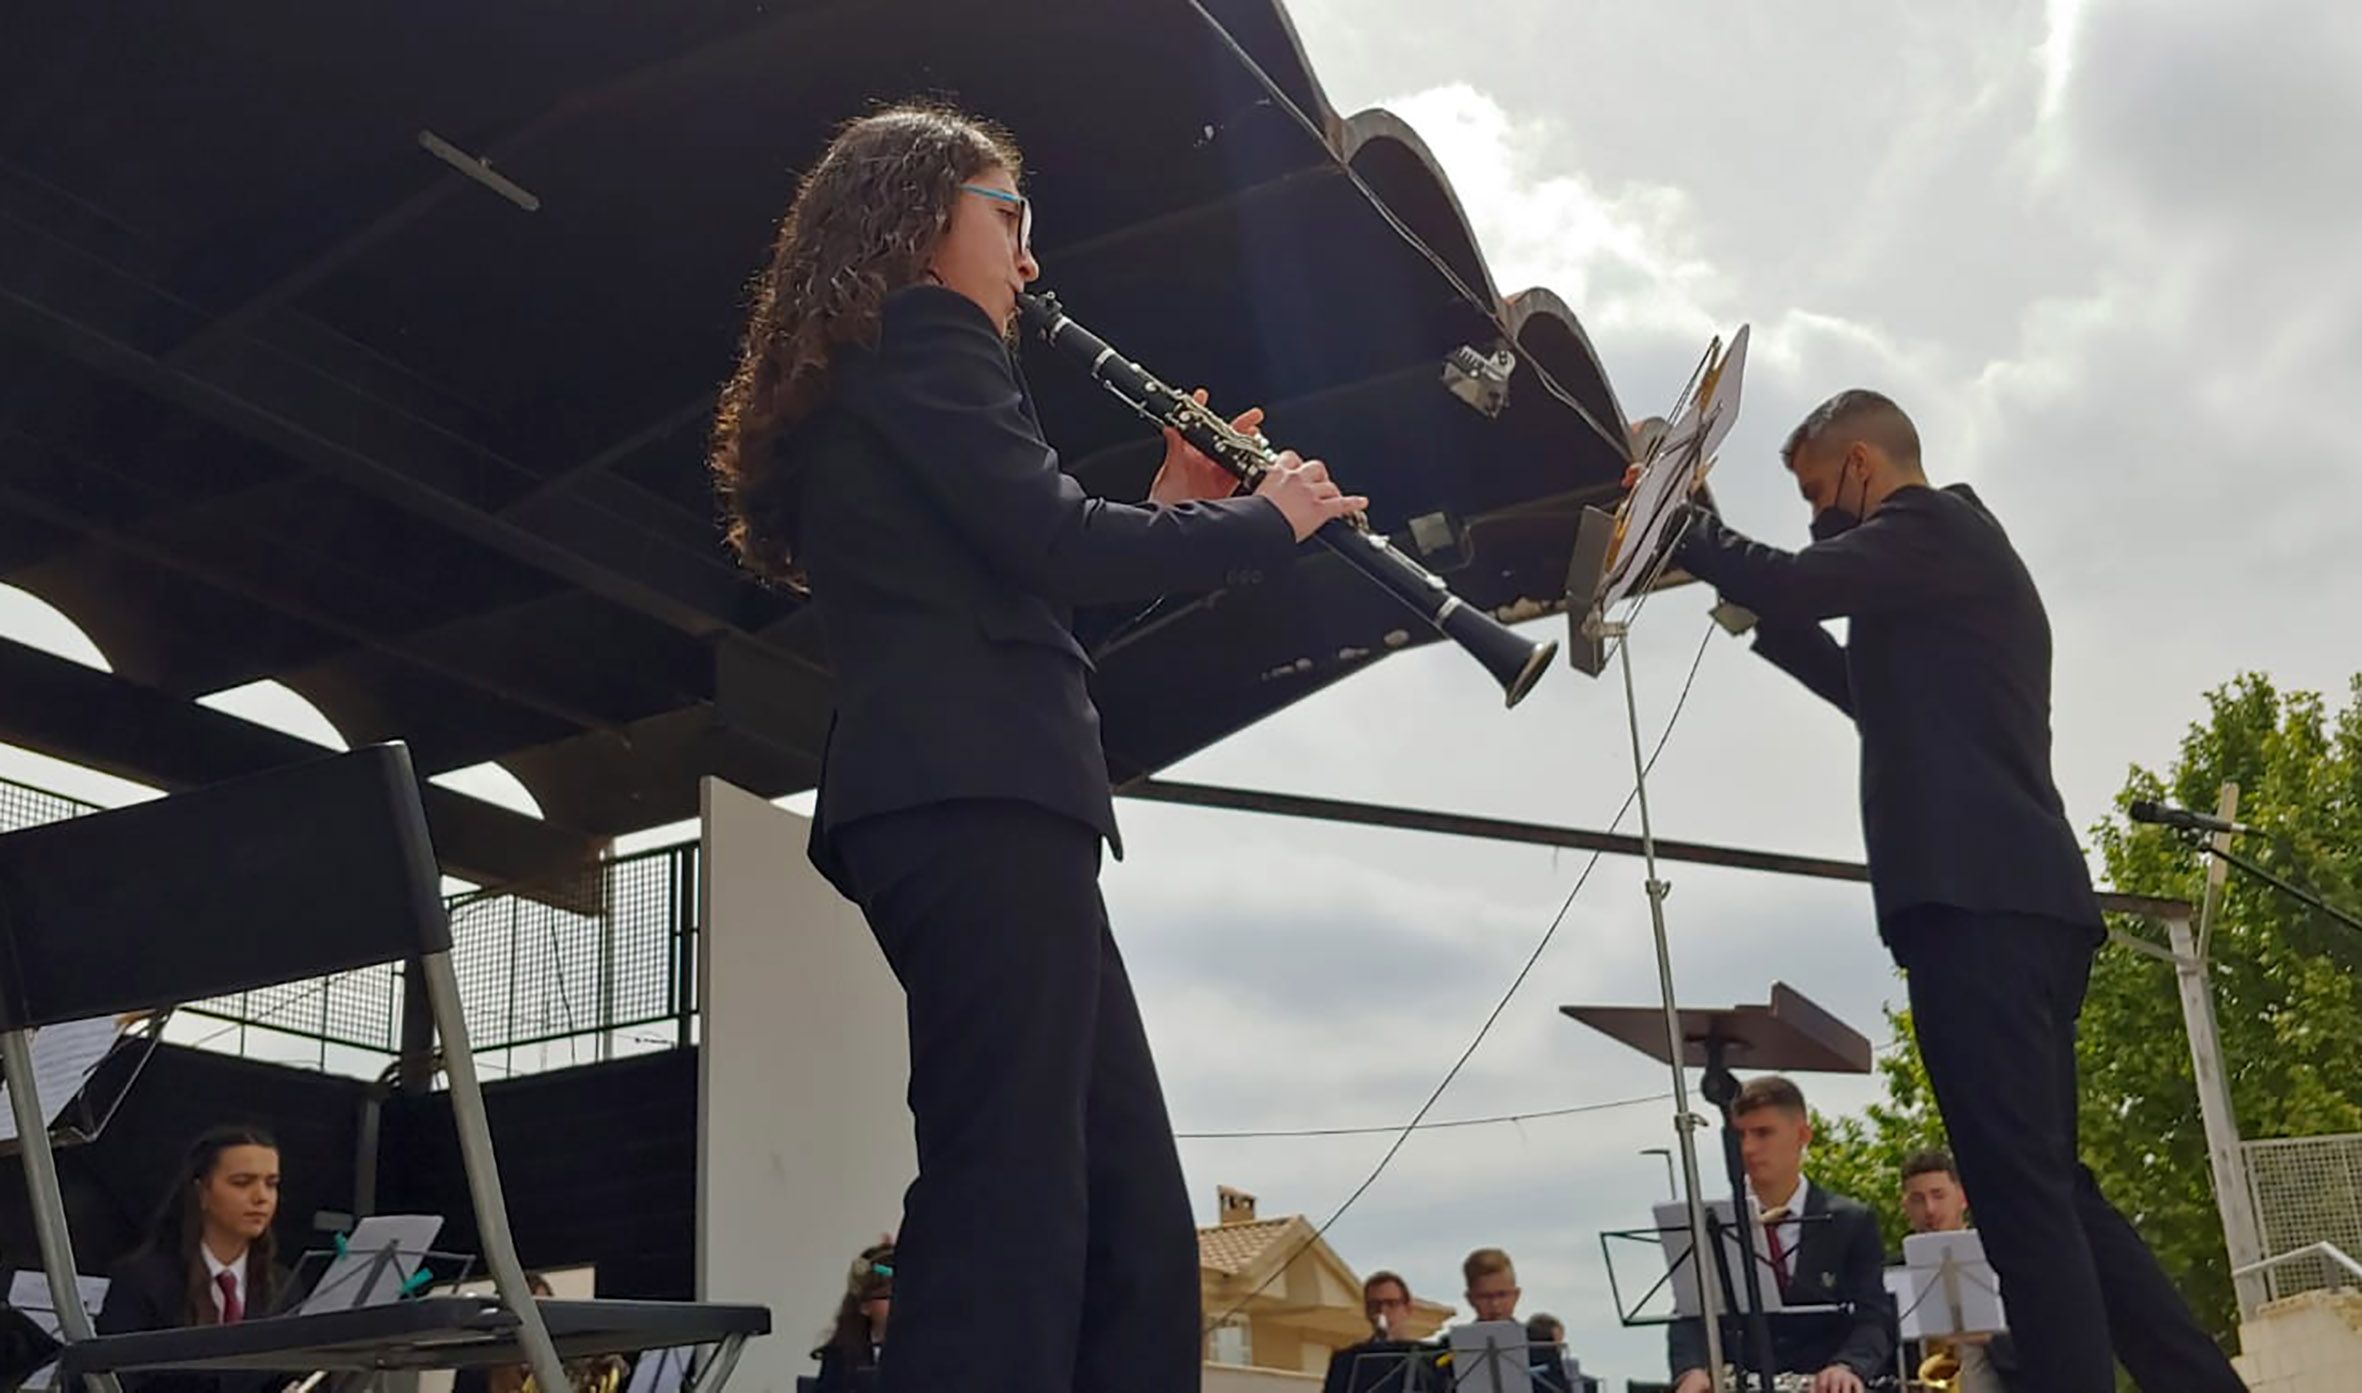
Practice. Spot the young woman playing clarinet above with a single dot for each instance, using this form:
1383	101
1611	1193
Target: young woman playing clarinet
877	447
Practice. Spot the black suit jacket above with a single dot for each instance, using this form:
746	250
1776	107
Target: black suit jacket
1381	1366
947	553
149	1291
1839	1260
1946	673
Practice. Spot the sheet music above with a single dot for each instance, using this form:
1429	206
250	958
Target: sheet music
1924	1304
1673	1233
347	1284
1490	1357
659	1371
29	1293
1679	460
65	1055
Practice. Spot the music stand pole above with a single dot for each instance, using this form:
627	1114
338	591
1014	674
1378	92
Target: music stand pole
1719	1087
1684	1125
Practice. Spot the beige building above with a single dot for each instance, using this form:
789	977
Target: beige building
1295	1300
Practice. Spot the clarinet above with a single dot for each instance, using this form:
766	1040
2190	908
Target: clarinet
1513	661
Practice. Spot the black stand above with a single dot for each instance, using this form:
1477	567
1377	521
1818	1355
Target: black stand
1789	1034
1720	1087
1404	1366
2289	888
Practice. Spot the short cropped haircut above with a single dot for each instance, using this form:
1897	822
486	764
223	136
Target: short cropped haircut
1768	1091
1858	414
1929	1162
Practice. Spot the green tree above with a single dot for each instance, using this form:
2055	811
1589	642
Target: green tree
1863	1156
2287	983
2287	979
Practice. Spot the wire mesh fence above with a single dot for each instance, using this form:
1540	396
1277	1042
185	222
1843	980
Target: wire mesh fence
609	949
567	970
2307	1190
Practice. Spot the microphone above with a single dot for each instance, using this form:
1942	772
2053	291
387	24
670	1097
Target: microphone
2144	810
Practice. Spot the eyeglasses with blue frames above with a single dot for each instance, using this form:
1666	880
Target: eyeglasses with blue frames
1023	204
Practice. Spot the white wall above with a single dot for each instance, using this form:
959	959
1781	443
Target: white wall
804	1142
2308	1343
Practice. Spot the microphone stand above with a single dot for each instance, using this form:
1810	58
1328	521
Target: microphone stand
2285	887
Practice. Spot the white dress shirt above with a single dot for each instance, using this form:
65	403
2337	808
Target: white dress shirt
1791	1228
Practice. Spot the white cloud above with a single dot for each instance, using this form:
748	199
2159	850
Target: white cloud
2096	247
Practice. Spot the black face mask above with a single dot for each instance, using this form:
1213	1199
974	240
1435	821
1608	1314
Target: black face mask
1837	519
1834	521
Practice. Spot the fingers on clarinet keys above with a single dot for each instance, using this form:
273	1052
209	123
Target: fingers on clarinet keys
1305	495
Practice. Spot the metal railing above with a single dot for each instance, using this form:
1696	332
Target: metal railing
2308	1205
571	970
599	961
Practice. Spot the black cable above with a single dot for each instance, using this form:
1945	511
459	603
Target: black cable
1403	1134
2285	887
1425	1126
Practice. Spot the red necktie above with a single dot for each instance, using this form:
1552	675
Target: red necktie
232	1310
1779	1251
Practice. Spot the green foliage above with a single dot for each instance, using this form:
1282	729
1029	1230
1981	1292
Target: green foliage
1863	1156
2287	987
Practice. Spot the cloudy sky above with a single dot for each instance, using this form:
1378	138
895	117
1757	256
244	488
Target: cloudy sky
2100	250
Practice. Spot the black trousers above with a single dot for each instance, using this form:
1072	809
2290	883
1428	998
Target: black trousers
1994	1000
1047	1243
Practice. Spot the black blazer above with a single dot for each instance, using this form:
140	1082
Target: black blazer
1839	1259
1946	673
148	1291
1384	1366
843	1373
947	553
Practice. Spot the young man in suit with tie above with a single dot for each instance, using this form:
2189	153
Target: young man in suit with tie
1823	1250
878	448
1980	888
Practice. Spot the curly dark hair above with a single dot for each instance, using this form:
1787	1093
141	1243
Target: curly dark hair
872	1278
865	222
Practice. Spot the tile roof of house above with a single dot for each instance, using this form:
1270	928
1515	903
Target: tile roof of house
1233	1248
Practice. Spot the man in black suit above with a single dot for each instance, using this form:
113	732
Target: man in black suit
1980	887
1392	1360
1823	1249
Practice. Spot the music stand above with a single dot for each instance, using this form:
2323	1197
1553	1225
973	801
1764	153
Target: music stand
1953	1289
1489	1356
1391	1366
82	1070
1789	1035
381	1260
29	1301
660	1371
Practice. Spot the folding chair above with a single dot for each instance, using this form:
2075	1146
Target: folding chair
296	873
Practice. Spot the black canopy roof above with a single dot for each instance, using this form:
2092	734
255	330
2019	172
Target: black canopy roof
286	393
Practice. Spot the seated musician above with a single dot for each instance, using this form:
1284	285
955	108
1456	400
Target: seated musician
1933	1202
849	1361
1392	1360
1553	1364
1493	1294
210	1257
1823	1249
